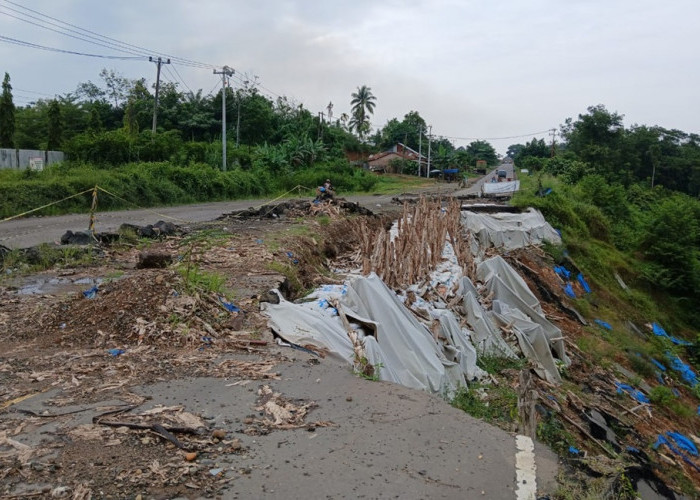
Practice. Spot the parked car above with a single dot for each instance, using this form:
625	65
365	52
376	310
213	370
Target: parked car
502	174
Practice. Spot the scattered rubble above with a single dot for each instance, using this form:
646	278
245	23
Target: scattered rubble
189	306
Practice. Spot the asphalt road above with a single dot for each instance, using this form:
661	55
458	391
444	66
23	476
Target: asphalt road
31	231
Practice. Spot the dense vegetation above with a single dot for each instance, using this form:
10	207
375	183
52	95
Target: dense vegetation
626	201
272	145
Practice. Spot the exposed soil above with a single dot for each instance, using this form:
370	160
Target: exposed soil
77	360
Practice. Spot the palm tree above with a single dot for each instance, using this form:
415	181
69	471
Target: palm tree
363	102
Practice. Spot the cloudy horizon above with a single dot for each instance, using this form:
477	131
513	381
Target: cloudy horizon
472	69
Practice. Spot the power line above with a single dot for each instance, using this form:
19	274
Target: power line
123	46
32	92
182	79
92	37
53	49
214	88
495	138
110	46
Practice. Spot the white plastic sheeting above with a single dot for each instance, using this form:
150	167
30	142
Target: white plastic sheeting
403	349
509	231
515	307
395	341
486	337
497	188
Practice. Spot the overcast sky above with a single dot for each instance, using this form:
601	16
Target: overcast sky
471	68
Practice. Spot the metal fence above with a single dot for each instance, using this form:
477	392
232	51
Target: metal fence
20	159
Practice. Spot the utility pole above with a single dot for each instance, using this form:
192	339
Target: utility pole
420	145
159	62
320	123
553	133
225	73
430	138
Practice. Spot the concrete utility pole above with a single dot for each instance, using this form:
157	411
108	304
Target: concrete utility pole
430	138
553	133
225	73
420	145
159	62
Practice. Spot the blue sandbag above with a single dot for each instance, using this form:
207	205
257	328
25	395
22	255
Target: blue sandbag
583	283
661	439
634	393
660	332
115	352
656	328
569	291
229	307
659	365
91	293
574	451
686	372
604	324
562	271
678	341
683	442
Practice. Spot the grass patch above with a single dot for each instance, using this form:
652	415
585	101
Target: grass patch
207	238
552	432
493	403
198	280
498	364
45	256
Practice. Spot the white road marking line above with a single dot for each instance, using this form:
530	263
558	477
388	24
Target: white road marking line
525	469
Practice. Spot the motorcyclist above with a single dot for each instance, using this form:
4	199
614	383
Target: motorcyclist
325	192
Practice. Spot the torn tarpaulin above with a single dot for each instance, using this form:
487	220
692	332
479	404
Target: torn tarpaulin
229	306
563	272
602	323
394	340
686	372
660	332
677	442
634	393
583	282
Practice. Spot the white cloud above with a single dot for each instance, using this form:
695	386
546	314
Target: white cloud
472	68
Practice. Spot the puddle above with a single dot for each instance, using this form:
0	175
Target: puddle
53	285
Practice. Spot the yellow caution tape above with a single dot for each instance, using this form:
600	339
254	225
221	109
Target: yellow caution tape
11	402
143	208
44	206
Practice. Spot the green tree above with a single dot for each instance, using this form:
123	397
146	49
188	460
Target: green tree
482	150
55	126
363	103
513	150
670	245
405	131
117	86
7	115
536	148
596	138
